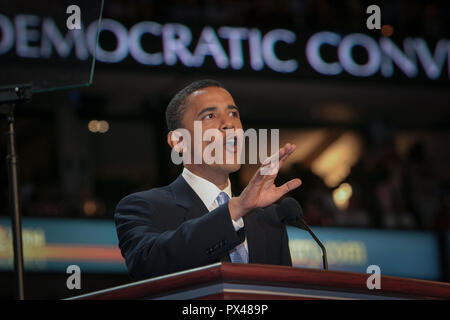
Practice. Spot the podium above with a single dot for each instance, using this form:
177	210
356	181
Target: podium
223	281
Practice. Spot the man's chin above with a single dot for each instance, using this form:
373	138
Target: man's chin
229	167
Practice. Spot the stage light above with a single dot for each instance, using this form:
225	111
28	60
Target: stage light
341	195
103	126
333	165
93	126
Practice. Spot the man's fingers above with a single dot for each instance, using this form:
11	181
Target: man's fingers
290	185
272	164
270	167
280	154
289	149
262	174
257	177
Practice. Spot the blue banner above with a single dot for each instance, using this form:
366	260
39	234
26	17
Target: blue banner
413	254
54	244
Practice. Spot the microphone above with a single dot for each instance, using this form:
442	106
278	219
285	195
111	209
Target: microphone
290	212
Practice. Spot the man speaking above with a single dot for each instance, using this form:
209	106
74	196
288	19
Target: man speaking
196	220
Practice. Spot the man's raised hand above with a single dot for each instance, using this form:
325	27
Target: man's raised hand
261	191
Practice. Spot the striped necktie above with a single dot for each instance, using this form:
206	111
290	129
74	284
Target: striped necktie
239	254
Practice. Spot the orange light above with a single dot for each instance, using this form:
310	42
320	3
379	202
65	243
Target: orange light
101	126
93	126
387	30
89	207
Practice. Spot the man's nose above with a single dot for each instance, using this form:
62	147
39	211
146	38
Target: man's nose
226	124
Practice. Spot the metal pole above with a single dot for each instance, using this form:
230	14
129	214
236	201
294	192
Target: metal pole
324	251
16	225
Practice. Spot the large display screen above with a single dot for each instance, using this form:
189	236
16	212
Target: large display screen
54	244
413	254
151	45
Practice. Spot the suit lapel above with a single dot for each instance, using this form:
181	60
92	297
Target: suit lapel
186	197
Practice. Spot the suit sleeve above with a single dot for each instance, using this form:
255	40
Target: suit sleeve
150	249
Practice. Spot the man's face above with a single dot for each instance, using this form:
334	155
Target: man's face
215	108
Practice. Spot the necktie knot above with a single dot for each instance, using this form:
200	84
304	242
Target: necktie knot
222	198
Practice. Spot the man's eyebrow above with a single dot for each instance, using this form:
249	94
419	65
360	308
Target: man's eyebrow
206	110
214	108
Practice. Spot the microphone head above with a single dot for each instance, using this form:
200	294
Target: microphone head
290	210
271	214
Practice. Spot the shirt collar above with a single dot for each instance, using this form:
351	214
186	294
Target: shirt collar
206	190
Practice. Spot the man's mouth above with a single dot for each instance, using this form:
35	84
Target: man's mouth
231	144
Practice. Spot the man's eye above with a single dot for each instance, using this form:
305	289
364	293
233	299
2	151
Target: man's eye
233	114
208	116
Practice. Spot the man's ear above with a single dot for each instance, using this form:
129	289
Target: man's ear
169	140
174	142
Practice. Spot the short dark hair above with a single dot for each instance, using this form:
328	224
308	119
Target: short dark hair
176	107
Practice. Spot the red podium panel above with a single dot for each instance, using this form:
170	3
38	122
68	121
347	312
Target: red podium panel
254	281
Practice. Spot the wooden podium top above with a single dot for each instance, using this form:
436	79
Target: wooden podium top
255	281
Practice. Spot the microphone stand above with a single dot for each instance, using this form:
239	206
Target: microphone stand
9	96
302	225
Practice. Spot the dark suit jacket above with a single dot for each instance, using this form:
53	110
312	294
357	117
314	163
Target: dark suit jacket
169	229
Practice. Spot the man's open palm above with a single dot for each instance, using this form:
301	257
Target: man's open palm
261	191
